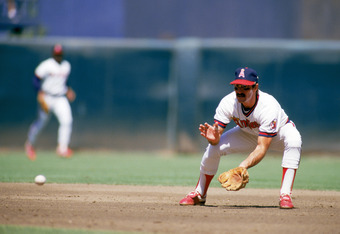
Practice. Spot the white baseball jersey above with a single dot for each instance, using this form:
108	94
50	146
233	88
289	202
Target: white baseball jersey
264	119
53	76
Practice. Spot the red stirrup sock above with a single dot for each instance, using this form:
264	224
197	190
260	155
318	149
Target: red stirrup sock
288	177
203	184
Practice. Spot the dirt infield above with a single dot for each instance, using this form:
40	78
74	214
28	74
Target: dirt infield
156	210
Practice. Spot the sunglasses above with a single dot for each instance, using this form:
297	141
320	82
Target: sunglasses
243	87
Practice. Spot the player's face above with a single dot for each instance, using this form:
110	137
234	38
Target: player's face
58	57
246	94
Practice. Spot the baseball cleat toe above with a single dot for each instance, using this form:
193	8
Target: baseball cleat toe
193	198
30	152
286	202
65	153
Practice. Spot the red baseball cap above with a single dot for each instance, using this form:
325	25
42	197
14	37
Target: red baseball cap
245	76
58	49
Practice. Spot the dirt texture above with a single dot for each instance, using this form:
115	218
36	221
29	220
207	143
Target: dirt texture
155	209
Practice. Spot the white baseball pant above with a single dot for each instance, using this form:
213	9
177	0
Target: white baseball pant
288	141
60	106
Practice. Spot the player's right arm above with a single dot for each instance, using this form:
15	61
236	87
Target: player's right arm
36	83
211	132
222	116
40	93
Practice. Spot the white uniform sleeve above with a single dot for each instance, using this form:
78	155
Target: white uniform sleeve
42	70
224	111
270	120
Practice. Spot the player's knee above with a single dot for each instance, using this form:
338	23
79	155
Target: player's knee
213	151
66	122
291	157
293	142
210	162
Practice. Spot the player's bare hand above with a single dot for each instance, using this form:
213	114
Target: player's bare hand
210	132
71	95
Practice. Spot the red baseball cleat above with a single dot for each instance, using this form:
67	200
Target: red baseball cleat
30	152
286	202
64	153
193	198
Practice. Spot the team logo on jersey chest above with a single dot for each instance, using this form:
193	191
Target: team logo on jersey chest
245	123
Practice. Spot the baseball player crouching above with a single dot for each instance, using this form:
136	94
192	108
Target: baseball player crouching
261	125
53	96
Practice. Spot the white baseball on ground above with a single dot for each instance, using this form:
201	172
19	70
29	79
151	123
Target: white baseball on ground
40	179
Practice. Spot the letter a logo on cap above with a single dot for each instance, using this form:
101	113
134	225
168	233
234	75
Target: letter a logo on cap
241	73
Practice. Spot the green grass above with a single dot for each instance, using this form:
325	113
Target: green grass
144	168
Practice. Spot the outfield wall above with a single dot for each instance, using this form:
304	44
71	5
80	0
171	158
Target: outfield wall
152	94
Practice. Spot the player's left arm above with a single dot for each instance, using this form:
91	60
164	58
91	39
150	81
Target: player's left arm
70	94
259	152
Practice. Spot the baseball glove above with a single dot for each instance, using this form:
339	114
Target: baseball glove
234	179
41	101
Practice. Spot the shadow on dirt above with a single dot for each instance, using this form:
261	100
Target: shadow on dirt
243	206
